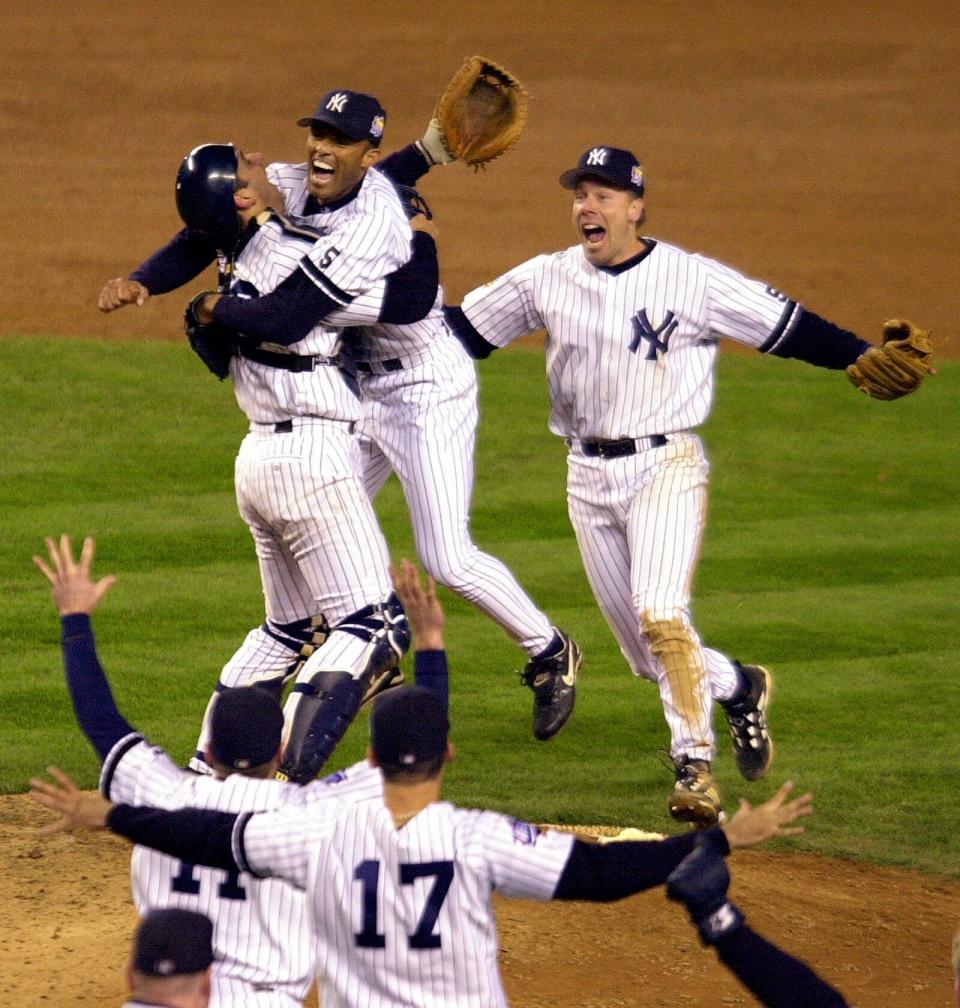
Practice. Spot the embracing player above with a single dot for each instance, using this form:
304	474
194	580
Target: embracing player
419	389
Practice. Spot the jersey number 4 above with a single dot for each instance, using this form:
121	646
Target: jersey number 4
368	875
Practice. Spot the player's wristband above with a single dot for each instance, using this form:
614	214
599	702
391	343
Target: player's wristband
720	923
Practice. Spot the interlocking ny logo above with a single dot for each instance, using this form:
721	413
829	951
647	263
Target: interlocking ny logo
657	338
336	102
597	156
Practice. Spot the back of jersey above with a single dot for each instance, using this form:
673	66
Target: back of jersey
404	916
262	934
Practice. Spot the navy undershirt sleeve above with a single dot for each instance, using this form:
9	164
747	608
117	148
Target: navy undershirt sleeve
431	672
815	340
195	835
283	316
463	329
776	978
93	702
405	166
604	872
412	289
187	255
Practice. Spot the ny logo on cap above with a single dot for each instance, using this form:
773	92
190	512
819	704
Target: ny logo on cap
598	156
336	102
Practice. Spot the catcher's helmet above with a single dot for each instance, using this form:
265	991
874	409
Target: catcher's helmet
206	183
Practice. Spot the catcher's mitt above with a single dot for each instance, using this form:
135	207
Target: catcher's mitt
482	112
214	343
896	367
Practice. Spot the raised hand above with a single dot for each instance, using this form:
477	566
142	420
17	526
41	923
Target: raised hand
74	590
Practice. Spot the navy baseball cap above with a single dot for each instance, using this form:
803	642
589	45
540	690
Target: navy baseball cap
408	725
609	164
245	727
360	116
171	942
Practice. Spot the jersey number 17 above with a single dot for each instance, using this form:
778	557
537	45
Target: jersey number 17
368	875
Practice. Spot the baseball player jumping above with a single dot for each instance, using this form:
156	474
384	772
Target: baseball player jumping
419	420
632	329
419	391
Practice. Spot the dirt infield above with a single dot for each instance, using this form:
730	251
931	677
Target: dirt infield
815	146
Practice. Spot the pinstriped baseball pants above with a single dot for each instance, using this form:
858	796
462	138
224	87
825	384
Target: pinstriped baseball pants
318	544
421	423
639	521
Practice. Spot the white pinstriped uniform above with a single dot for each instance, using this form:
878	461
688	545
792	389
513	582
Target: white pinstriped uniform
403	917
630	353
421	422
262	932
318	543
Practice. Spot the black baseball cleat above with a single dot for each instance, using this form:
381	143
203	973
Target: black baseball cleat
746	716
695	797
382	682
553	681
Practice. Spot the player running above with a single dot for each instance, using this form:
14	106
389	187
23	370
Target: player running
632	330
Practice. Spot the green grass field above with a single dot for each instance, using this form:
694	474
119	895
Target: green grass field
831	555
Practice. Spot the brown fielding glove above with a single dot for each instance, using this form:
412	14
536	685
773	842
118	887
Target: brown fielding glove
482	112
898	366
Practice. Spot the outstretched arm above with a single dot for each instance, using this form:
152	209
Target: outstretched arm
777	979
194	835
893	369
76	595
187	255
815	340
613	871
427	621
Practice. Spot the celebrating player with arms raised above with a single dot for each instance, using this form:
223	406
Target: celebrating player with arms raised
632	329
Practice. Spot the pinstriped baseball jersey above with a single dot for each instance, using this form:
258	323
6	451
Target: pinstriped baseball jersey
630	351
403	916
364	237
268	394
380	341
420	422
263	936
630	354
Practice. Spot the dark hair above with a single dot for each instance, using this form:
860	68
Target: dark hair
426	770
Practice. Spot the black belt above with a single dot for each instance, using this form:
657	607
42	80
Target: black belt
286	426
374	367
624	446
286	361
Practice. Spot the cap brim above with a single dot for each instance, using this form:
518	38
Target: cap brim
571	179
310	120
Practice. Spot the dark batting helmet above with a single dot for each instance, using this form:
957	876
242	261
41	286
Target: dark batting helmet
206	182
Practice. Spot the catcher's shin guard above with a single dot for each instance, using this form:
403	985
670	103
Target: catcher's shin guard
269	657
385	626
325	700
322	716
